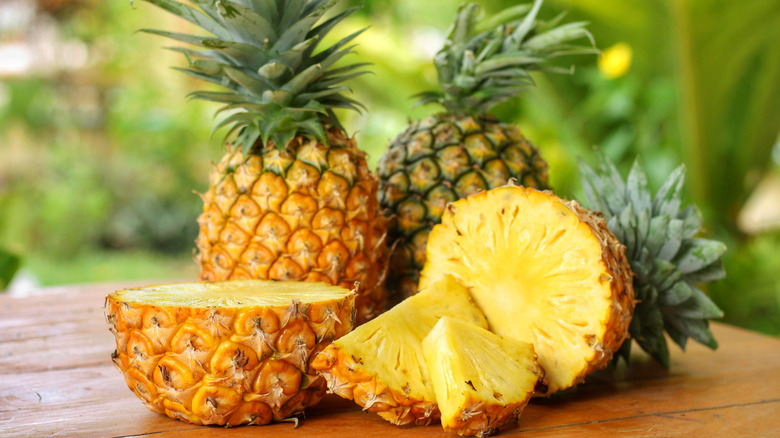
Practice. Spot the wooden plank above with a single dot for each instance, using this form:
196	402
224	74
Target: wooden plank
734	420
55	328
62	383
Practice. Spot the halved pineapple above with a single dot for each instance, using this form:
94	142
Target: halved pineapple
381	365
482	381
227	353
542	270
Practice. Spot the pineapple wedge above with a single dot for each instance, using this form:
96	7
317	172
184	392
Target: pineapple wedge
380	364
482	381
227	353
543	271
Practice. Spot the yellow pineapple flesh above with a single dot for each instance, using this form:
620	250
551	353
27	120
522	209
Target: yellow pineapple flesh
482	381
380	365
227	353
543	271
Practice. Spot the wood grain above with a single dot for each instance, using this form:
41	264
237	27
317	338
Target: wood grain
57	379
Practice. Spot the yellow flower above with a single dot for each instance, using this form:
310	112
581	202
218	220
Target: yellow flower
615	61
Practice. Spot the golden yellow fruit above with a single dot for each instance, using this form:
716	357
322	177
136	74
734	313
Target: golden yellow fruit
227	353
380	364
542	270
482	381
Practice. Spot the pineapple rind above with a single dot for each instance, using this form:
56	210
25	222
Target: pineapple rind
482	381
380	365
308	213
204	363
550	265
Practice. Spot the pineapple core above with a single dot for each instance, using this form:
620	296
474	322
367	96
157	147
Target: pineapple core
380	364
482	381
543	271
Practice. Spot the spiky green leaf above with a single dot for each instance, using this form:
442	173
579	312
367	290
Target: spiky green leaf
696	254
265	53
680	292
245	25
219	80
637	191
668	199
239	53
674	240
712	272
486	62
649	333
192	15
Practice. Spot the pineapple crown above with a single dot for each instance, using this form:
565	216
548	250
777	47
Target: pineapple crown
262	52
665	254
485	62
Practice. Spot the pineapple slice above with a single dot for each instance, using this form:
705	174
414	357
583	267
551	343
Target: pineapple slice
482	381
381	365
227	353
542	270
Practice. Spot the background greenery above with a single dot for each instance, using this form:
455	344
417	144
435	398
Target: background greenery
98	161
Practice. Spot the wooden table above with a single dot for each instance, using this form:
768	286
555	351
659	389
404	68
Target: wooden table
57	379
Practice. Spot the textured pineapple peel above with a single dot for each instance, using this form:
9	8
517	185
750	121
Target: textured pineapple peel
381	365
227	353
482	381
542	270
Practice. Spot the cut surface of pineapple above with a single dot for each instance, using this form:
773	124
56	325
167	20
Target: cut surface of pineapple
227	353
380	364
543	270
231	294
482	381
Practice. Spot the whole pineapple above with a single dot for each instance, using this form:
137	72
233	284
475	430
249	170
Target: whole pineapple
293	198
464	150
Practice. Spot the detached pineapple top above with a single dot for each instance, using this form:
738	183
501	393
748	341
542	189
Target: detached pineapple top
263	53
485	62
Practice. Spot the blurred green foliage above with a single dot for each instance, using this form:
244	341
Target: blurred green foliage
9	264
98	164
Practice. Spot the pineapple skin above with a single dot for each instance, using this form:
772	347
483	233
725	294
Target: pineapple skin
308	213
346	378
438	160
613	256
226	366
615	322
